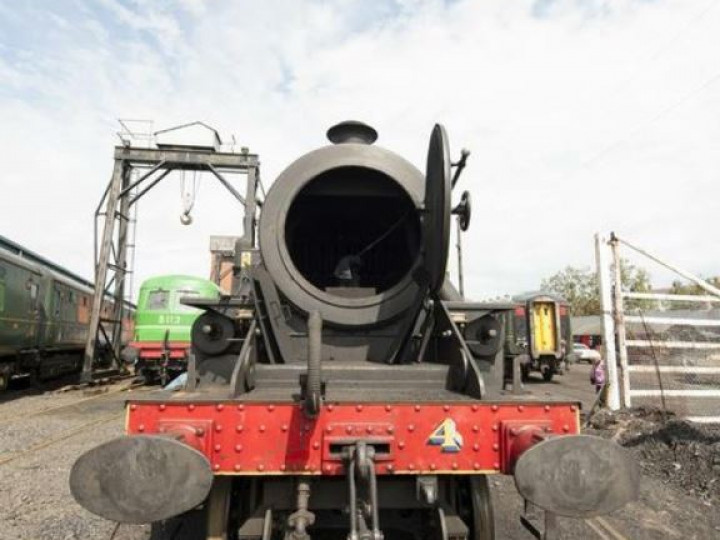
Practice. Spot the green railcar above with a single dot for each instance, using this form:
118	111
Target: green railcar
163	323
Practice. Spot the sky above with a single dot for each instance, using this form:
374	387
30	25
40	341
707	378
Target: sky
582	116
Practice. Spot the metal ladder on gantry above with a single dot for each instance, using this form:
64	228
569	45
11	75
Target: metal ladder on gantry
123	191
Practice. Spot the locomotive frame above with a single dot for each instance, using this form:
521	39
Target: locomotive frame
324	396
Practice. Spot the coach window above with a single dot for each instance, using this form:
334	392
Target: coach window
158	299
58	301
33	288
2	296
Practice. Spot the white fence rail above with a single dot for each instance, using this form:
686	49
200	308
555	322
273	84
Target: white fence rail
671	297
671	344
670	321
700	370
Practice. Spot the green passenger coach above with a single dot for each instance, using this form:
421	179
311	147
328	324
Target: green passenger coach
162	324
44	316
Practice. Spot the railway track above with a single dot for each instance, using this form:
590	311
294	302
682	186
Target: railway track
59	438
604	530
37	446
45	410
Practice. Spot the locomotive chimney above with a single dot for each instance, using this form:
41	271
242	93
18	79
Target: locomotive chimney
351	131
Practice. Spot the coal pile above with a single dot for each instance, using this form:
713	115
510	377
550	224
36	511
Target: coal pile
677	452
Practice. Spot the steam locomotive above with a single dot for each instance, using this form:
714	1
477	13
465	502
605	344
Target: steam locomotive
344	389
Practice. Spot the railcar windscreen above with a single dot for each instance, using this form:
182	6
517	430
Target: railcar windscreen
157	300
186	293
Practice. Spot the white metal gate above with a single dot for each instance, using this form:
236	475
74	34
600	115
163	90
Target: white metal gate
666	357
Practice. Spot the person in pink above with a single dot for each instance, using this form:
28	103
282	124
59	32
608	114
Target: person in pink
597	374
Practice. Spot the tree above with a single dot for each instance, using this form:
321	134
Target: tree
635	279
579	286
678	287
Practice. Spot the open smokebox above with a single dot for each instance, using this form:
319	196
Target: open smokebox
353	231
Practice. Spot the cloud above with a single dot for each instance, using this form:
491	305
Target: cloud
581	116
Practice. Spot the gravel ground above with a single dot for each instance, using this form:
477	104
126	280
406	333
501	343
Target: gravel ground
680	464
35	501
676	452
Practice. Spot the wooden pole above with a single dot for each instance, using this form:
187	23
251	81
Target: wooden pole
620	322
461	278
608	324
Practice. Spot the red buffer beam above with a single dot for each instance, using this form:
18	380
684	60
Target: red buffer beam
279	438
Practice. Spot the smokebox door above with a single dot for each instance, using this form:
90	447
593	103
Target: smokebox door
436	217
